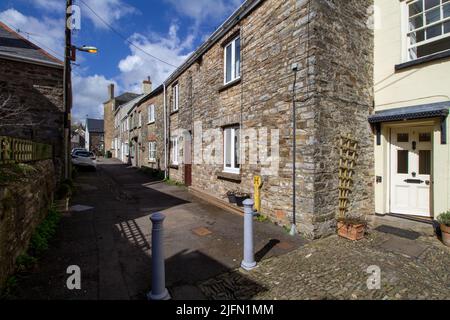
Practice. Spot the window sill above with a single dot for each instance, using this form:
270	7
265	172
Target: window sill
233	177
152	161
174	112
174	166
151	122
433	57
230	84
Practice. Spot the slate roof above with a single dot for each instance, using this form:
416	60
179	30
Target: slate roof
126	97
95	125
14	45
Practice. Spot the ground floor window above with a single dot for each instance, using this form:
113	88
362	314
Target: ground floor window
152	151
174	150
231	149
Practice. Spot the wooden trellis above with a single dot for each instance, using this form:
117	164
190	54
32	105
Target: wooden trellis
347	162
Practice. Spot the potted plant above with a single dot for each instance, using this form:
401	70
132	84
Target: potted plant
231	196
352	228
444	222
240	197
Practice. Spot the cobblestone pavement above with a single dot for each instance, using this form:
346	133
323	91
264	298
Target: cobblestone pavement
335	268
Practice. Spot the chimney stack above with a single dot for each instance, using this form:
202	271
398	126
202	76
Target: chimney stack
111	91
147	86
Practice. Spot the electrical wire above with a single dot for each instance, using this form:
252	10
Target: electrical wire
125	38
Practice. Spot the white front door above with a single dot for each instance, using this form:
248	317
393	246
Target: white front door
411	159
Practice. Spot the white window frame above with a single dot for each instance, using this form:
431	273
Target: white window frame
151	113
152	151
174	153
176	97
406	32
139	119
233	169
234	77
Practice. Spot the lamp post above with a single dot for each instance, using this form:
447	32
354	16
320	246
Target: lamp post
69	55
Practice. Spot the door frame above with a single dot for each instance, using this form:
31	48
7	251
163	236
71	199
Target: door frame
428	123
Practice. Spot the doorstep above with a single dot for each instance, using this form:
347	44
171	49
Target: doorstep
202	195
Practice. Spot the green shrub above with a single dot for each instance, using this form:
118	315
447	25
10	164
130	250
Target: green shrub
444	218
25	262
9	288
44	232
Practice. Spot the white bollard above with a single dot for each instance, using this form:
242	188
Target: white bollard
249	262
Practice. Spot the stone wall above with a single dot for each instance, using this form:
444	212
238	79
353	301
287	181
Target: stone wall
97	144
23	205
332	47
38	89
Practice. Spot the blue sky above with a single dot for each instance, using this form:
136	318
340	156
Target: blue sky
167	29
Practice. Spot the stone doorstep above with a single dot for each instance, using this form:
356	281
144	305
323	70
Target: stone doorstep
202	195
411	248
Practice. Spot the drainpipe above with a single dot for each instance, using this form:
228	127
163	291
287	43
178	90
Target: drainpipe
294	153
165	133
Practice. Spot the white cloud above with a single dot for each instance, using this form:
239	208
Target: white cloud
200	10
110	10
138	66
46	33
89	94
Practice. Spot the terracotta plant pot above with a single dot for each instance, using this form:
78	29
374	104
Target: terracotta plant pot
351	231
445	231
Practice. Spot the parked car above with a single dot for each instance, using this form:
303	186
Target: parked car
84	159
77	149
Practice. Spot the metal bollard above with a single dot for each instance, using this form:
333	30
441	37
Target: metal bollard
159	290
249	262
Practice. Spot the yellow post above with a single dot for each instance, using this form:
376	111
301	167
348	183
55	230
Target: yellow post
257	183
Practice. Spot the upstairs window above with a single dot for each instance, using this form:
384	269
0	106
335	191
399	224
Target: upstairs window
232	60
231	150
428	27
139	119
176	96
151	113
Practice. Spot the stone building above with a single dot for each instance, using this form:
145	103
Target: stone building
95	136
110	108
31	84
226	114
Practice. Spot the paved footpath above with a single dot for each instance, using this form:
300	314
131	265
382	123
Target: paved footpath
335	268
108	235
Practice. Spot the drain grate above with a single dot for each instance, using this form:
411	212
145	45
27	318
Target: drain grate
402	233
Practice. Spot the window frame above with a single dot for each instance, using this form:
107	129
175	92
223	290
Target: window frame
176	97
174	154
233	169
233	76
151	113
406	32
152	151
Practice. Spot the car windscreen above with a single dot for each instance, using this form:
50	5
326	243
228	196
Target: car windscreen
83	154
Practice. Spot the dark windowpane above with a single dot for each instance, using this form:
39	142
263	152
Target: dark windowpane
402	137
424	162
425	137
434	31
402	161
431	3
446	10
228	63
434	47
447	28
417	36
433	15
416	22
415	8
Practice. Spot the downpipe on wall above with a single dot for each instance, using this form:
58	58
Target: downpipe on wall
293	230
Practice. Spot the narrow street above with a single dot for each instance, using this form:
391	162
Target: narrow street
108	233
